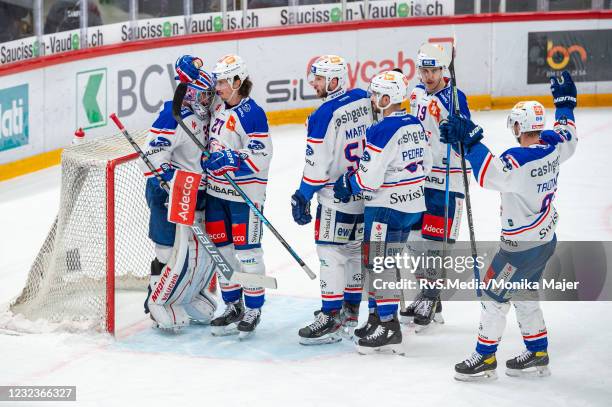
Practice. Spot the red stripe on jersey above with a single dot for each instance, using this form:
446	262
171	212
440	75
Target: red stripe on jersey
314	141
371	147
484	171
315	181
161	131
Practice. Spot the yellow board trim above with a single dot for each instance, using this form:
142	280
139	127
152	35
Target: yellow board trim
299	116
30	164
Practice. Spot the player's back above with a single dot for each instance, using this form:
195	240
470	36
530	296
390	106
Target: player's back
394	164
336	139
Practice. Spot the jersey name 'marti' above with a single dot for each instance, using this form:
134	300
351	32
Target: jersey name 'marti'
431	109
244	129
335	141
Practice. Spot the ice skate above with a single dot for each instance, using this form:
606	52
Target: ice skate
477	367
250	320
367	328
427	311
323	330
407	315
227	323
528	364
385	337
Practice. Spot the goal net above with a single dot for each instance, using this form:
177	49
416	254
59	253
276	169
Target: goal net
98	242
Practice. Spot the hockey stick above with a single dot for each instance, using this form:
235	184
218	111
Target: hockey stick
220	262
177	102
466	185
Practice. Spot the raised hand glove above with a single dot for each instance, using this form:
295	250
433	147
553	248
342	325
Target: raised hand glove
563	90
460	130
188	68
300	209
221	162
343	190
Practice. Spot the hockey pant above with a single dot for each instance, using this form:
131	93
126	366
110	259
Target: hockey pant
237	231
427	235
511	267
386	232
338	237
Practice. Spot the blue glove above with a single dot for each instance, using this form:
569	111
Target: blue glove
550	137
188	68
167	172
300	209
460	130
344	189
563	91
221	162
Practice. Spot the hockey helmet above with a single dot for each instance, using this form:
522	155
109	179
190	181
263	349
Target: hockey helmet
330	67
391	83
530	116
432	56
230	66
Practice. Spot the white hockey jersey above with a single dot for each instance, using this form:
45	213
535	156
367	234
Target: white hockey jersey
431	109
393	166
242	128
335	141
527	179
168	146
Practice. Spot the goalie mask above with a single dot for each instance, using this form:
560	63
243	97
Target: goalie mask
391	83
228	67
200	94
530	116
329	67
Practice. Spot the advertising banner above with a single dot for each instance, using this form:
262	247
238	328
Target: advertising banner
585	54
14	124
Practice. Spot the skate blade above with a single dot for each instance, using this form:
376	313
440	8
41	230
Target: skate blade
243	335
199	322
489	375
537	371
406	320
437	319
324	340
394	349
346	332
231	329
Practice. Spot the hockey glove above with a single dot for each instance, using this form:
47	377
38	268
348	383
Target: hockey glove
187	68
344	187
563	91
300	209
221	162
460	130
554	137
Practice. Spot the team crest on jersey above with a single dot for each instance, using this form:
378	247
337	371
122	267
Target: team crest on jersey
256	145
160	141
366	156
309	150
231	123
434	110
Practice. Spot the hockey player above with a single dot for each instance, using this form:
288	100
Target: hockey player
391	176
240	146
177	269
335	141
527	178
430	102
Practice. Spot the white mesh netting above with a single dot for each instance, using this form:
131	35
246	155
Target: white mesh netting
68	281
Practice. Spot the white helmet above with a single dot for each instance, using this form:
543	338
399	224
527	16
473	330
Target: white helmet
432	56
230	66
530	116
330	67
391	83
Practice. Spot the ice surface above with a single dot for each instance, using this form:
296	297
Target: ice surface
143	365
